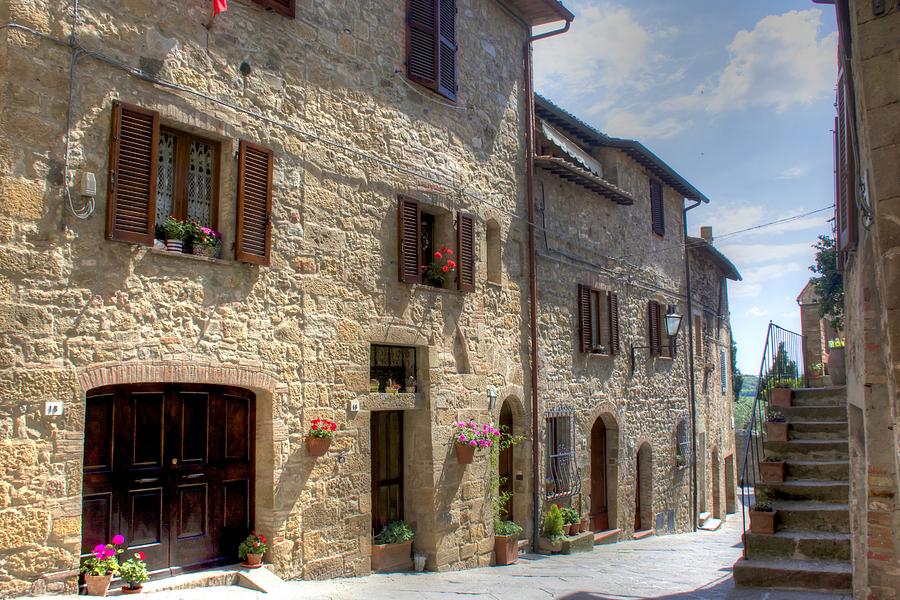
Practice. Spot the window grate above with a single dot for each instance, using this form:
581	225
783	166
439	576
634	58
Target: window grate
165	177
562	479
199	183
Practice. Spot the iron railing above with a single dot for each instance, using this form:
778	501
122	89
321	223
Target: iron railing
782	365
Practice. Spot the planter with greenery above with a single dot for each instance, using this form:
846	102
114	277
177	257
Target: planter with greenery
252	549
552	530
319	436
101	565
506	532
762	518
176	232
440	268
469	436
571	520
506	542
776	427
206	241
392	550
134	573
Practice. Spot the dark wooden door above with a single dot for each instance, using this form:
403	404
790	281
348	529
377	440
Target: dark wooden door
637	494
387	468
505	462
170	467
599	503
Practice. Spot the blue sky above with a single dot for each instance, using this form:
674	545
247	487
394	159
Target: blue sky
736	96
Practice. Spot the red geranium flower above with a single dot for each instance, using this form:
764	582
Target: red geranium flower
438	255
451	264
140	555
445	268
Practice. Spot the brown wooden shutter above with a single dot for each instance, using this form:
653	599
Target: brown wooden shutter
584	317
131	200
653	328
447	48
254	203
409	241
283	7
422	42
657	208
613	300
465	249
845	200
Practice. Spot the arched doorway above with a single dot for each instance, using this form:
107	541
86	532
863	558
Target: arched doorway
170	467
505	463
643	483
604	476
716	487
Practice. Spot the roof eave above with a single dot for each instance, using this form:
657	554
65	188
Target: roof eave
540	12
722	261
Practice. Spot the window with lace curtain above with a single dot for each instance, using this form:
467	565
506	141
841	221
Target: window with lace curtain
186	178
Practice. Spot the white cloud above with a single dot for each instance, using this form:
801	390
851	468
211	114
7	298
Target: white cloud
756	279
762	253
729	220
780	63
625	123
755	311
793	172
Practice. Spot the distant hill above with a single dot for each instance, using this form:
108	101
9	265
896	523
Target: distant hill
748	389
744	403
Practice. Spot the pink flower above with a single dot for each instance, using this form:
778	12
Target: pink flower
118	539
109	553
438	255
462	438
99	550
473	443
445	268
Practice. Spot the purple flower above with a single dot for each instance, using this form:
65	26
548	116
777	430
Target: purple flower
118	539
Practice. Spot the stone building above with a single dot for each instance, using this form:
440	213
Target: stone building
867	146
817	333
333	145
614	388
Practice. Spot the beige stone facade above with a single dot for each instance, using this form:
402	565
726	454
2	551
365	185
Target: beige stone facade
327	92
869	193
604	241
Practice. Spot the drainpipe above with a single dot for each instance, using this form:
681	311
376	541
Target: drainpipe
532	279
690	351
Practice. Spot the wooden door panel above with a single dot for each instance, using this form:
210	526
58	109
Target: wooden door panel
96	520
387	468
193	412
98	433
147	412
237	428
599	503
192	501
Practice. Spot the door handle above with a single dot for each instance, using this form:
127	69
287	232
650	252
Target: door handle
195	476
174	461
147	480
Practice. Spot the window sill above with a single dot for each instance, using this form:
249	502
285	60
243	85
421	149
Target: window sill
495	284
194	257
438	290
598	355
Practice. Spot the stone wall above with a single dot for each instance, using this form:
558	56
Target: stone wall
326	92
872	303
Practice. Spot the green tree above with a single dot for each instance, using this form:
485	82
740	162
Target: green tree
829	284
737	378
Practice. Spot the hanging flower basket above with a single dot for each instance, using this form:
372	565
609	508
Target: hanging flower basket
465	454
319	436
469	436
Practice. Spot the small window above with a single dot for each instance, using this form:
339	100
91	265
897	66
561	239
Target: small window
599	316
657	208
392	369
282	7
562	477
186	178
494	269
431	45
423	235
661	345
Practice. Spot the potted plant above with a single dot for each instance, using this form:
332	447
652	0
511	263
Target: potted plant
176	231
506	542
319	436
771	471
392	548
571	520
552	532
762	518
206	241
392	387
549	486
469	436
134	573
252	549
781	395
776	427
374	386
101	565
442	265
816	375
837	366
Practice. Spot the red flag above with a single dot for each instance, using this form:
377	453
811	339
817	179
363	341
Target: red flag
219	6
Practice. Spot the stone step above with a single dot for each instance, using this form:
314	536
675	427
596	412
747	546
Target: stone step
820	491
802	545
814	413
793	574
643	533
610	536
820	470
817	430
711	524
703	518
811	516
808	450
831	396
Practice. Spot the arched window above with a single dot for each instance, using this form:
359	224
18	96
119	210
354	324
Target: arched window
494	269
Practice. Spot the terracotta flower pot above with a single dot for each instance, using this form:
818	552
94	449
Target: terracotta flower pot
253	560
97	585
391	558
549	547
567	528
771	471
837	367
465	454
776	432
317	446
585	524
762	522
576	528
781	397
506	549
132	590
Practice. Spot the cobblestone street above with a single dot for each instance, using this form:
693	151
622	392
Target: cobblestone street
687	566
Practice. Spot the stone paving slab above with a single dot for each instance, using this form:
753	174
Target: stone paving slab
683	567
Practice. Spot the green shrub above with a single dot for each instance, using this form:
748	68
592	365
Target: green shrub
570	516
395	533
553	524
510	528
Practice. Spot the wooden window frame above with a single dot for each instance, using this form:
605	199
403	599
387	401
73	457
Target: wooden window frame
698	336
657	207
288	9
245	206
434	83
183	140
661	345
590	322
562	459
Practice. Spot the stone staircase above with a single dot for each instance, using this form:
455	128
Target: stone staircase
810	548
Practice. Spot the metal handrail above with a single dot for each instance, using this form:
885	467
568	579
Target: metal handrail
782	364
